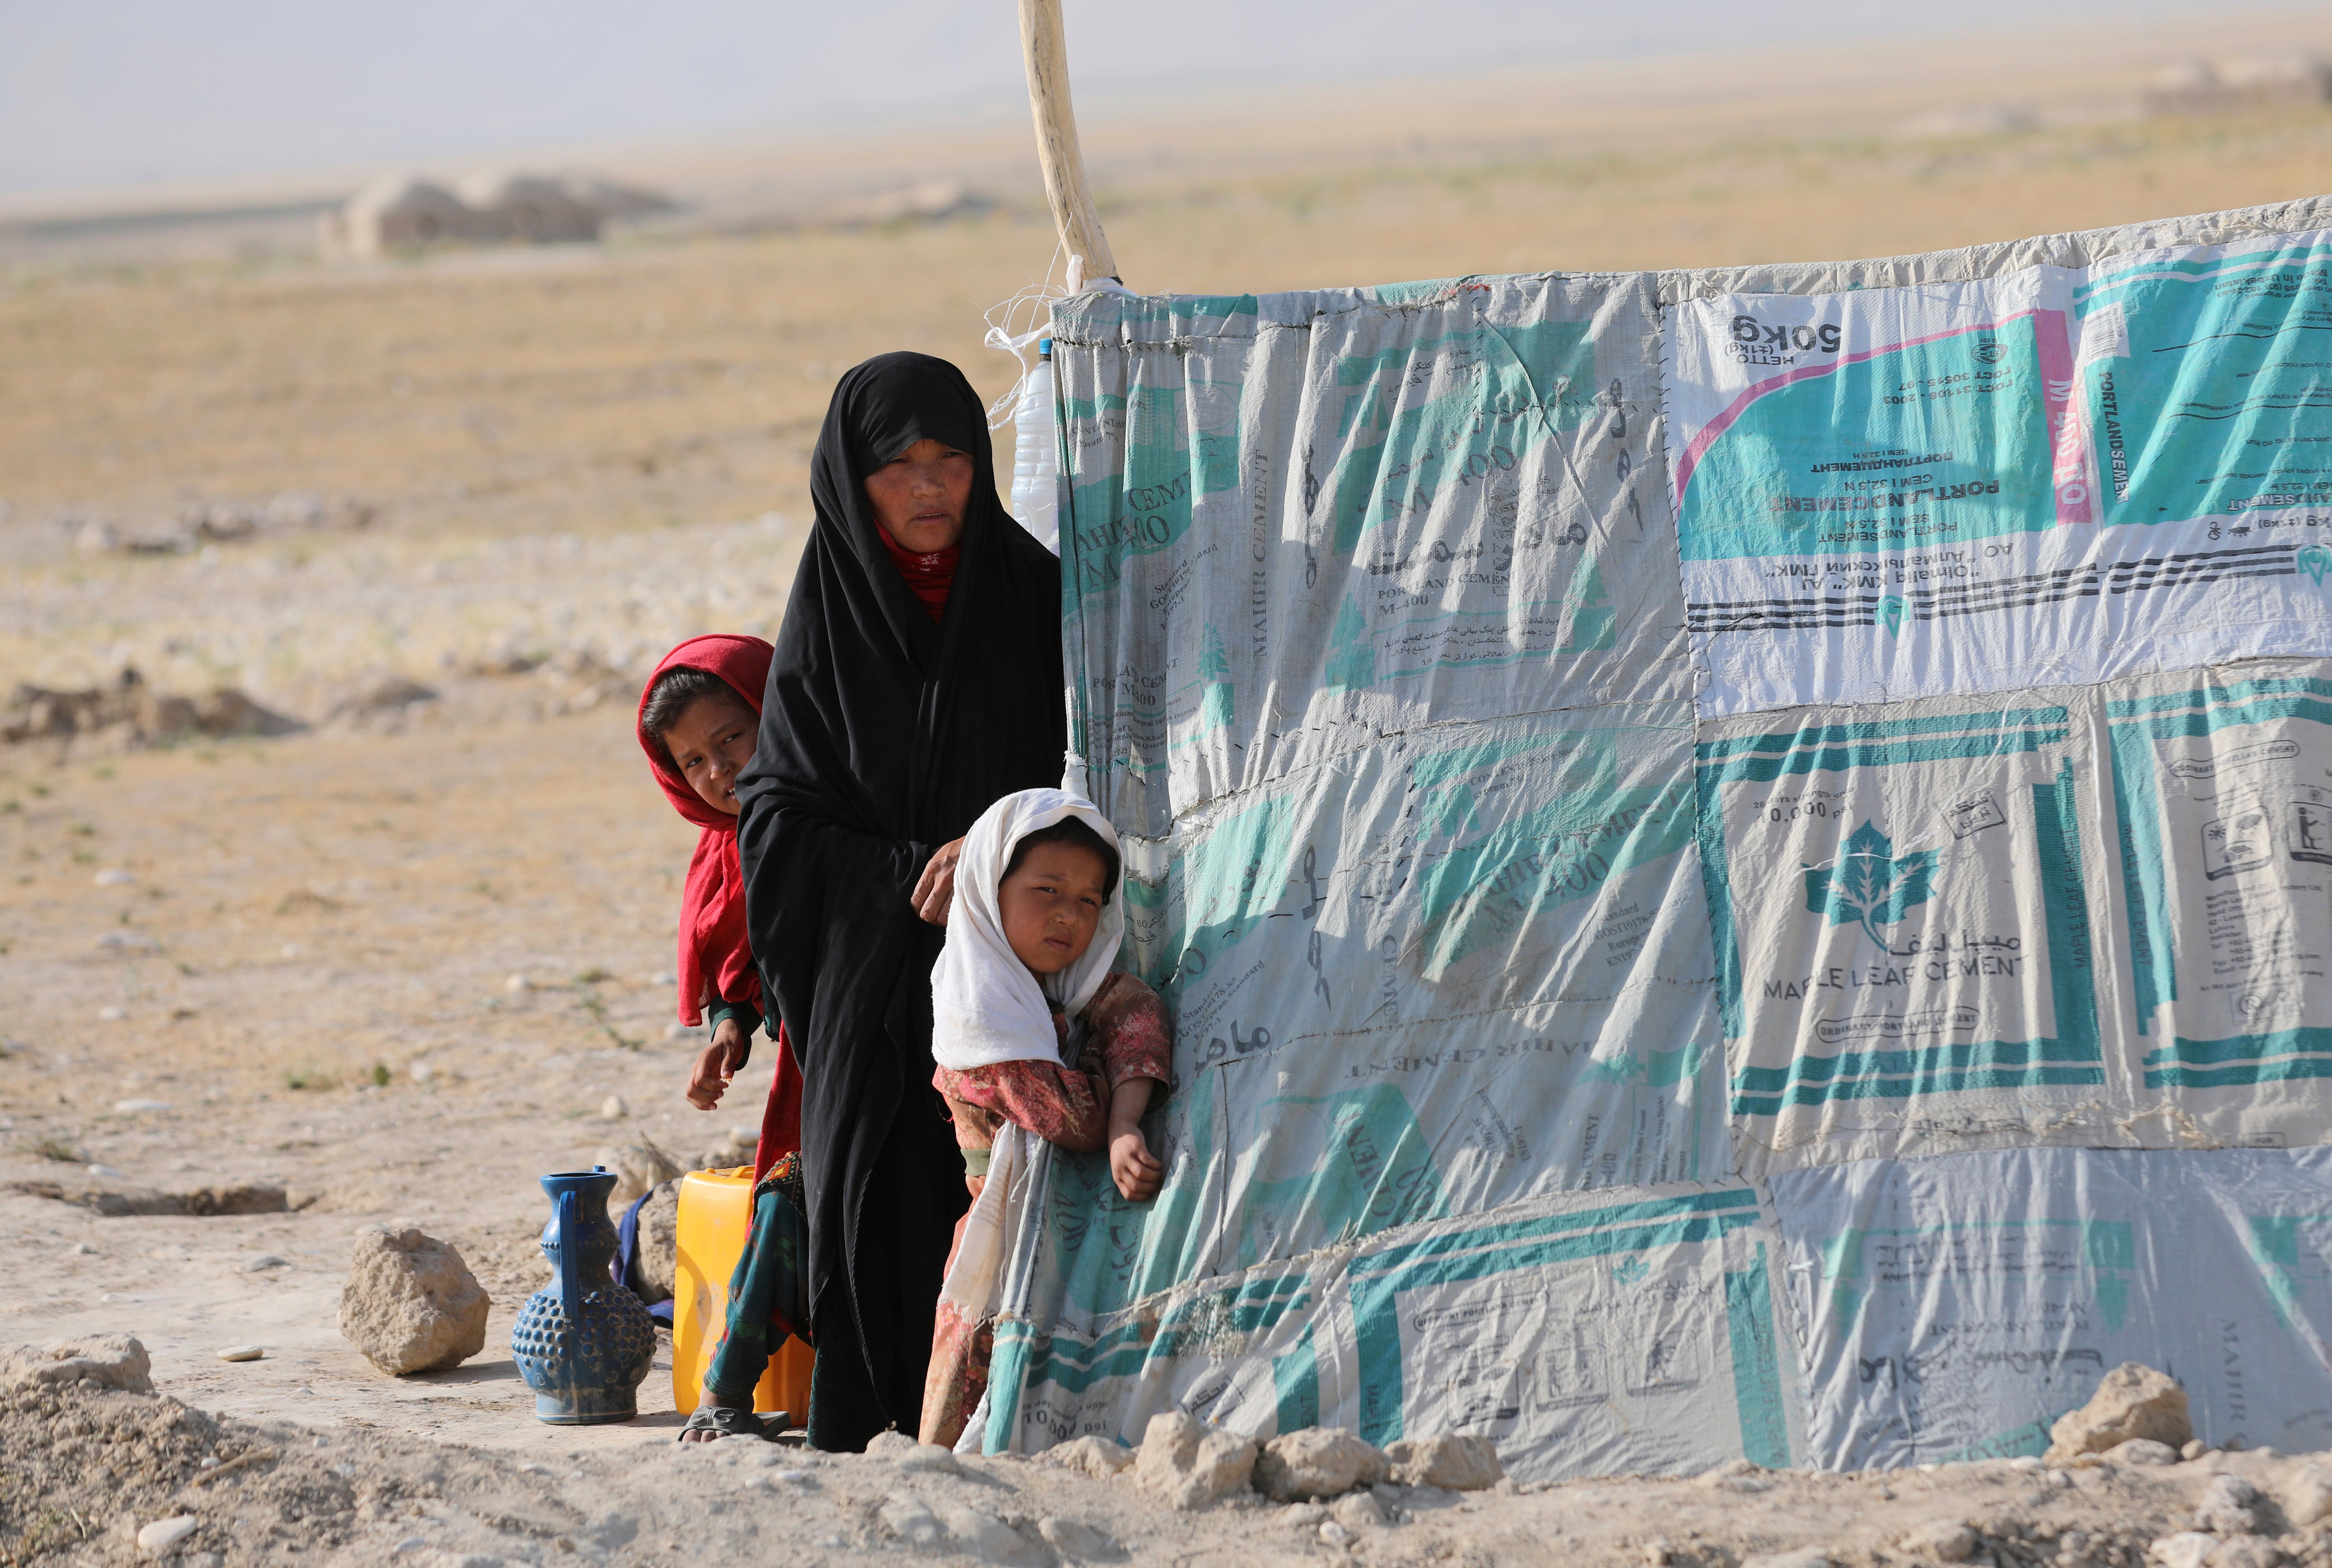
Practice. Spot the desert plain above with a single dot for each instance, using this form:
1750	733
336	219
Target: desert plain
440	514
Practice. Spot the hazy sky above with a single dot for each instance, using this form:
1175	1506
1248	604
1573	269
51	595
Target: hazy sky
123	91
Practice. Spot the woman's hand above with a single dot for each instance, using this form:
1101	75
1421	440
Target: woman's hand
716	1065
935	889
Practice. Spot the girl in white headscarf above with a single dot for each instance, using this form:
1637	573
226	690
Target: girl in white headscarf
1030	1023
1034	1034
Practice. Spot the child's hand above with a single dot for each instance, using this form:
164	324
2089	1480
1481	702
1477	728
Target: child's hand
716	1065
1138	1175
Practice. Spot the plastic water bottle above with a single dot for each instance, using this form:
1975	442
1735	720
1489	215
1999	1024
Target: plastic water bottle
1036	454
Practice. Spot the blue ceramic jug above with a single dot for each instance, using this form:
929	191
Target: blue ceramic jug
583	1343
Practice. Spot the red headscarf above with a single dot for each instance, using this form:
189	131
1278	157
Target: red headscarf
716	955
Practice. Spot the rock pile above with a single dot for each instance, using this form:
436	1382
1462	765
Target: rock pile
411	1305
379	700
129	715
1189	1464
207	523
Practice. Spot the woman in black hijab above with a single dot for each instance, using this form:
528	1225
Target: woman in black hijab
917	678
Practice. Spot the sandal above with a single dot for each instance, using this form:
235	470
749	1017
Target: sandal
729	1421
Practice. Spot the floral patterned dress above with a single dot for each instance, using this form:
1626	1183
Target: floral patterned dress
1127	1037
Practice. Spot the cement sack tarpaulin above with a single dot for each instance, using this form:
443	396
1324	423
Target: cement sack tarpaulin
2099	916
1292	525
1954	1307
1596	1333
2048	475
1493	881
1904	903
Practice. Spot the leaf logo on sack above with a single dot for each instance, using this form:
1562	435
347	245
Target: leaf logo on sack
1890	613
2314	559
1870	885
1632	1270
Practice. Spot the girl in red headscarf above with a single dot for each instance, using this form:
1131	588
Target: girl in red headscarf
697	723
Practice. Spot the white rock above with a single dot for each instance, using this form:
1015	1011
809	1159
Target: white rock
2132	1401
518	985
2226	1507
141	1107
113	1361
1461	1464
1317	1462
890	1444
411	1305
1075	1541
107	1171
160	1537
1090	1455
2142	1452
113	876
1946	1540
613	1109
1358	1511
1189	1464
2306	1497
903	1515
639	1166
422	1072
1332	1534
2187	1549
1802	1557
2247	1552
111	1014
929	1458
265	1261
242	1352
657	1248
988	1538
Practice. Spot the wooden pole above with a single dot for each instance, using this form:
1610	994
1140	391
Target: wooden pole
1045	52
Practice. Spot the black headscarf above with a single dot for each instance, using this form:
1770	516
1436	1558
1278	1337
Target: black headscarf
883	736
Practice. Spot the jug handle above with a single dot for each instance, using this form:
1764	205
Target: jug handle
570	1267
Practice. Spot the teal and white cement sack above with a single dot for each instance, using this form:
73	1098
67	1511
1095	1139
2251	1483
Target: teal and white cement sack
1708	837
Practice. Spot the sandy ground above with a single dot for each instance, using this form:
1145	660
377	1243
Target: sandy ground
292	962
107	1465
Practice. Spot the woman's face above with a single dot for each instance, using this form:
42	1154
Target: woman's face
1051	905
710	741
920	495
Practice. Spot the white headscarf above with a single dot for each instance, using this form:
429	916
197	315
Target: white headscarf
986	1007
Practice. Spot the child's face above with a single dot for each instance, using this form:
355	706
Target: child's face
920	495
1051	905
709	742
